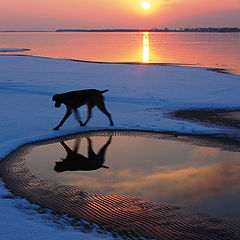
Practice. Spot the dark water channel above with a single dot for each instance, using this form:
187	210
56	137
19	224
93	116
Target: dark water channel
201	178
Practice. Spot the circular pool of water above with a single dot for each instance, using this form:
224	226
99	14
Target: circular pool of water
164	170
148	184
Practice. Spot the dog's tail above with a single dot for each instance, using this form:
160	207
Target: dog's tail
106	90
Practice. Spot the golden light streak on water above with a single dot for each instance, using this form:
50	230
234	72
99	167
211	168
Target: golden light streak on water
145	57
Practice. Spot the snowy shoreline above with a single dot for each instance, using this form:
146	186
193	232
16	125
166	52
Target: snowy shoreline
140	97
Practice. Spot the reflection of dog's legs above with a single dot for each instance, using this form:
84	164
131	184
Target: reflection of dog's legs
77	145
102	151
77	116
91	153
68	150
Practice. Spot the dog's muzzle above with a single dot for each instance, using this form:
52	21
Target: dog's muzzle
57	105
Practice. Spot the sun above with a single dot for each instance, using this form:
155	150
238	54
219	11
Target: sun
146	5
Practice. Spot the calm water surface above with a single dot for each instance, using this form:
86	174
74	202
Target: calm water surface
201	178
203	49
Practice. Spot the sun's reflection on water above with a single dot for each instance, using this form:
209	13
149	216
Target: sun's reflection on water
145	57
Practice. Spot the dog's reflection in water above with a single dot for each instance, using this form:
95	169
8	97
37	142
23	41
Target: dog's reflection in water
76	161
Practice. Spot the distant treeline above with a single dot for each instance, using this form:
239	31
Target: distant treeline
198	29
209	29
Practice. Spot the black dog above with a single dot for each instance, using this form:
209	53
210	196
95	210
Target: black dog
75	99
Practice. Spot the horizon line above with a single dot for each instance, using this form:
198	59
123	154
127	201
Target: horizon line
165	29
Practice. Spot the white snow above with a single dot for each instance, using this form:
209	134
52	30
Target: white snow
21	220
139	97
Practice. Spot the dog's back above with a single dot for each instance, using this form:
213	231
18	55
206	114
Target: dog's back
85	93
78	98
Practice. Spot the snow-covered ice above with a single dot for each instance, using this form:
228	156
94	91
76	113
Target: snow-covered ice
139	97
14	49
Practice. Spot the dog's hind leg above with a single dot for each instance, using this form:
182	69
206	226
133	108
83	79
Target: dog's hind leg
102	107
77	116
68	113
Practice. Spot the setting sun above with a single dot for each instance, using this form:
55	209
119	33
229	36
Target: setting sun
146	5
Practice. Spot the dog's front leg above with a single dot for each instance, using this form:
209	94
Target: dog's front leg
68	113
77	116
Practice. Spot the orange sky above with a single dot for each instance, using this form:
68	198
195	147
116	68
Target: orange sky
53	14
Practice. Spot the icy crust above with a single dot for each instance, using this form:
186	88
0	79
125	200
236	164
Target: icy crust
140	97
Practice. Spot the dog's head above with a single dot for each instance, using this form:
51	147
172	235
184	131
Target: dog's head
58	100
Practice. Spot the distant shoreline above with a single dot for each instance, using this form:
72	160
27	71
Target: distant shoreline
223	30
198	30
